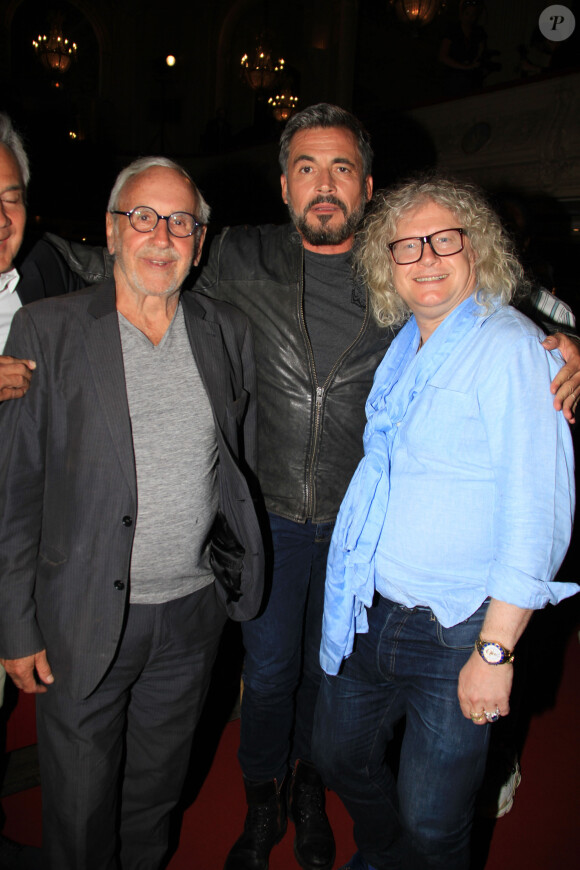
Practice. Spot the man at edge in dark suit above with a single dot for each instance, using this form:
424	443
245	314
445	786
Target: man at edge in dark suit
123	464
14	175
14	374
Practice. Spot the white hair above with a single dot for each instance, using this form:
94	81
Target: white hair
142	164
13	142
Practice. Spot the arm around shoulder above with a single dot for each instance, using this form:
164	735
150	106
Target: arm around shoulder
15	377
565	386
208	280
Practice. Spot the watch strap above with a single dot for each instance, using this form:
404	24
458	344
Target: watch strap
507	656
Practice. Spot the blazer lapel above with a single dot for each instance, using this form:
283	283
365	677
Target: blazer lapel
206	341
106	360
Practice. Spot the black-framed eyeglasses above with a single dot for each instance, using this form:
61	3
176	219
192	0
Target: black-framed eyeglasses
144	219
443	243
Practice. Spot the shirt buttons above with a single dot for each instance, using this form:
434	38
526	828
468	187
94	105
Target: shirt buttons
119	585
127	521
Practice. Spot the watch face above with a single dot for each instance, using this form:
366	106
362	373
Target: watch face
492	653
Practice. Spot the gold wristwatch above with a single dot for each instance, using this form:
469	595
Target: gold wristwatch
494	653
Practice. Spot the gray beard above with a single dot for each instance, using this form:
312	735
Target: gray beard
323	235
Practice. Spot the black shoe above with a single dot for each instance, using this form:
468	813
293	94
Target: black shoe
314	842
264	827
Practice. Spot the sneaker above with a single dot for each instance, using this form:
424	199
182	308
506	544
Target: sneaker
495	802
507	792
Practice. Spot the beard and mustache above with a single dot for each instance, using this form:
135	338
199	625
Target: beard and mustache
323	234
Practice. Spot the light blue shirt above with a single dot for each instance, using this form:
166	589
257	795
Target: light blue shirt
466	490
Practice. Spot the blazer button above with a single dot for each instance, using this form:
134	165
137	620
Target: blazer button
127	521
119	585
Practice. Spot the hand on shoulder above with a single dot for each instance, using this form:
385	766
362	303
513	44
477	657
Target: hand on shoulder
15	377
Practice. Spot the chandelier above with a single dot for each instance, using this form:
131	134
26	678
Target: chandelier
283	105
417	12
56	53
258	68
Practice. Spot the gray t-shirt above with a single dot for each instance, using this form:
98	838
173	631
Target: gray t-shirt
176	458
333	311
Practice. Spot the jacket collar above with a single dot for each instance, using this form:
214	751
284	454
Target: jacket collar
104	351
104	300
294	236
207	346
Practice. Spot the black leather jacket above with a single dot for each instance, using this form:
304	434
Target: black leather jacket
55	266
309	434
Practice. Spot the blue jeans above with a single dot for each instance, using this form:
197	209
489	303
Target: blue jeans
406	666
281	669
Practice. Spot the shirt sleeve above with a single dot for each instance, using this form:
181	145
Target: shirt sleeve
532	457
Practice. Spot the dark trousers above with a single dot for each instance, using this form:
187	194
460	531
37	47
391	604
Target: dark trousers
406	666
281	668
112	765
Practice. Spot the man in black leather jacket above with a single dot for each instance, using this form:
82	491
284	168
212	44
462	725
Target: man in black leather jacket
317	348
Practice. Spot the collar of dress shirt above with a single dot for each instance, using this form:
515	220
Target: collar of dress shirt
9	280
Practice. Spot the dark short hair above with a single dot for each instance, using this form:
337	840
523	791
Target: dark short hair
326	115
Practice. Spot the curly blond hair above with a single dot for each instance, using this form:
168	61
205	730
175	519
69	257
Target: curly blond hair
498	271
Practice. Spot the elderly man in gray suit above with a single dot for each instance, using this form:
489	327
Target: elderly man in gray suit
127	524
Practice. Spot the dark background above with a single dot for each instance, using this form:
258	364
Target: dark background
120	100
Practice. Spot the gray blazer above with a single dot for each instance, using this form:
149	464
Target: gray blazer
68	483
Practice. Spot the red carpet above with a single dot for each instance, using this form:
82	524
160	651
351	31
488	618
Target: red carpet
542	830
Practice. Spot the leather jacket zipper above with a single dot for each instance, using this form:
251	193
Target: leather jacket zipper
320	392
308	483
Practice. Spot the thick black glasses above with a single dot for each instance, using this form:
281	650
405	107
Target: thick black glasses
444	243
144	219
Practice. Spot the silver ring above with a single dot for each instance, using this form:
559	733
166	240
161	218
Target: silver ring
492	717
